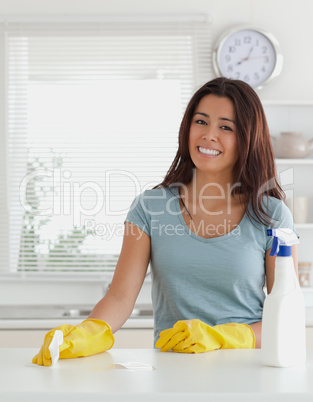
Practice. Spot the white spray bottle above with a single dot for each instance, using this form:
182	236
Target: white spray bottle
283	323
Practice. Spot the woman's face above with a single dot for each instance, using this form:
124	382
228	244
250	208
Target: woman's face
212	136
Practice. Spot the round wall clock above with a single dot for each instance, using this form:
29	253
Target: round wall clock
249	54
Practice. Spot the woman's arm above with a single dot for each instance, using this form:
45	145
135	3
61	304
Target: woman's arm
117	304
270	272
257	329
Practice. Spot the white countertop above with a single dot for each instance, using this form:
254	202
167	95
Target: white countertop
223	375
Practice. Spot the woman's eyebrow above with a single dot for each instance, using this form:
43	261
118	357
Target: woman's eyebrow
202	114
225	118
221	118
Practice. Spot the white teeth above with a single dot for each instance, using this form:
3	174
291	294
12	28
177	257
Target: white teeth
209	151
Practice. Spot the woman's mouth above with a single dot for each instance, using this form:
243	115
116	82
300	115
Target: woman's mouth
208	151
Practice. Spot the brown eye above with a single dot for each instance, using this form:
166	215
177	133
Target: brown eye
202	122
226	128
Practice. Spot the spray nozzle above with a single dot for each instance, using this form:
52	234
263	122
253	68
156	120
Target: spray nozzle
284	238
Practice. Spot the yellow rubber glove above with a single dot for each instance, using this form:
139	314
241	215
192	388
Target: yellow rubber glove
194	336
85	339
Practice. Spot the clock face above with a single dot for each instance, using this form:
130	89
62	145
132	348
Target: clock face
247	55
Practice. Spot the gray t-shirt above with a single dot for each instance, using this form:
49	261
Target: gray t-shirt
217	280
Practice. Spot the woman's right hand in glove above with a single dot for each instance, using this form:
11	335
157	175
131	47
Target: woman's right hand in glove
88	338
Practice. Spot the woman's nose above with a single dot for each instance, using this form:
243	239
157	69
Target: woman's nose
210	134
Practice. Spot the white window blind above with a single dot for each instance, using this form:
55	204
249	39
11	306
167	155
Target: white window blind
91	114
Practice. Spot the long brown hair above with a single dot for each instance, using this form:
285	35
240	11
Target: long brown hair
255	168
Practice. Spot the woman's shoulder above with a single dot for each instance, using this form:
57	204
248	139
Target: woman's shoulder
271	203
156	197
273	207
160	193
276	208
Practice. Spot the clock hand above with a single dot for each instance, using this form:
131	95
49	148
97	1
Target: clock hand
250	58
245	58
257	57
249	53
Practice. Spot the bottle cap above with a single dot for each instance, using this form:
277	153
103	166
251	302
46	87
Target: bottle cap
284	251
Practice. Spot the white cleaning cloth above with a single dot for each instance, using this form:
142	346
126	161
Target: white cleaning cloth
134	366
57	340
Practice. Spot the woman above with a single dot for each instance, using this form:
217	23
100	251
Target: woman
204	231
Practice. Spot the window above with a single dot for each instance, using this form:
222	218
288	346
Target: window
92	112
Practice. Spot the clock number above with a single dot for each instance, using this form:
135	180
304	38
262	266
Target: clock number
263	69
264	49
246	78
266	59
237	42
237	76
230	68
247	39
227	57
232	49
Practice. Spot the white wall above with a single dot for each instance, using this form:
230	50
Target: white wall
289	20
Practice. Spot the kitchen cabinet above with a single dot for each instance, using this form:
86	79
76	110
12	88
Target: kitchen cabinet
309	337
124	338
134	339
29	338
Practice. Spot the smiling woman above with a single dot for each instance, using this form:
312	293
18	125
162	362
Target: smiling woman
224	174
207	286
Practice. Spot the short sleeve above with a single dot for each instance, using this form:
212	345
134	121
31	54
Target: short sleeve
283	219
138	215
